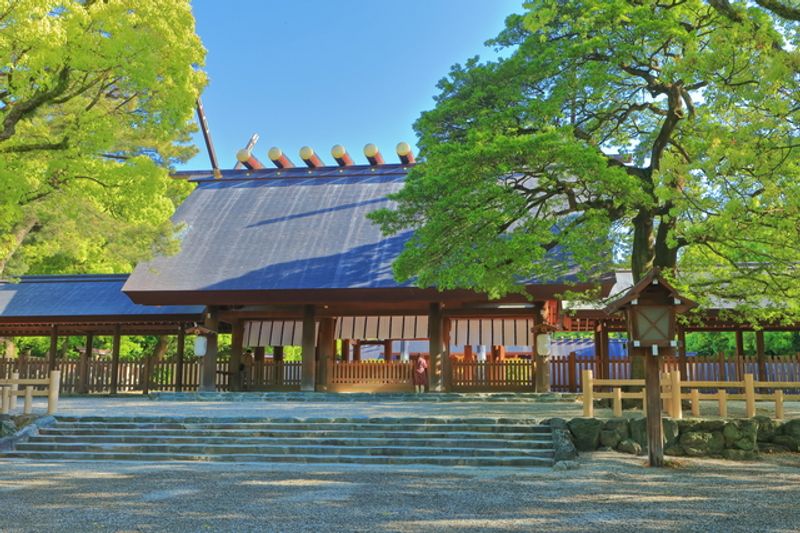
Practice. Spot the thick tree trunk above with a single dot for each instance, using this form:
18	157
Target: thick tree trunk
18	236
160	348
642	253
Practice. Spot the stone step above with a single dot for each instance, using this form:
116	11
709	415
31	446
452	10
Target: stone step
449	441
313	449
292	420
443	460
487	428
290	433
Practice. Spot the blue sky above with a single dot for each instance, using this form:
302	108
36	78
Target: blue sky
322	72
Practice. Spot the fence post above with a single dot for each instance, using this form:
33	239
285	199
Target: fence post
4	399
617	401
779	404
148	370
52	391
28	405
750	396
677	407
588	386
666	403
572	369
722	395
695	402
12	404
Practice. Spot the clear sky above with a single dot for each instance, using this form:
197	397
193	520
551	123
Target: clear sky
322	72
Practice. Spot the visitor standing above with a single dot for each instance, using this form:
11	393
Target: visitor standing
420	374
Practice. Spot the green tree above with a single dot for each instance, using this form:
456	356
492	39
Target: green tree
96	102
649	133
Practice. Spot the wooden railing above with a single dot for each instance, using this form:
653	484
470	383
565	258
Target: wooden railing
512	375
270	375
367	376
672	393
10	390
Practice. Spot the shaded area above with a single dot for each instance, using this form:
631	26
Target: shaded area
609	492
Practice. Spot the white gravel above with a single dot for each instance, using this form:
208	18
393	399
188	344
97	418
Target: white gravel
610	492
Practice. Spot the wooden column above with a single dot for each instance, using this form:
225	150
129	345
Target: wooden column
683	363
356	350
345	350
468	355
542	377
52	354
115	344
739	343
435	346
259	354
83	368
447	372
234	373
602	343
180	350
761	355
327	350
387	350
308	380
208	375
652	379
277	361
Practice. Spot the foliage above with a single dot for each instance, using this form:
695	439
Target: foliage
96	101
656	133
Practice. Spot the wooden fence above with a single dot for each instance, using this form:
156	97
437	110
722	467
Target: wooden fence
14	386
269	375
367	376
672	393
512	375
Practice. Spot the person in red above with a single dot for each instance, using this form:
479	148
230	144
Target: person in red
420	374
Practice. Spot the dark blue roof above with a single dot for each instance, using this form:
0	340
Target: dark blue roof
281	230
77	296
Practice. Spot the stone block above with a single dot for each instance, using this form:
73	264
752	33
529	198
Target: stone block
767	428
695	443
585	433
630	446
610	438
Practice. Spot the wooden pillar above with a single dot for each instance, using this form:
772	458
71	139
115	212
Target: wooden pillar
761	354
83	368
53	352
308	380
277	365
468	355
447	372
652	379
259	354
602	343
115	344
345	350
327	350
356	350
234	363
387	350
683	363
180	350
542	377
435	346
208	376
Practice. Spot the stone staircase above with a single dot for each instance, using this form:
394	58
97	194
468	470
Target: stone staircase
402	441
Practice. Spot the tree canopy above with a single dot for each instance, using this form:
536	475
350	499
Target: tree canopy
96	100
647	133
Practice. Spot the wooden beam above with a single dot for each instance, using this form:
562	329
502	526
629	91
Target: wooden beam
180	350
356	350
259	354
655	438
208	375
542	375
308	380
387	350
345	350
235	361
277	353
115	345
683	363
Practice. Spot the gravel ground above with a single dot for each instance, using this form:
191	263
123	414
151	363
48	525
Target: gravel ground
609	492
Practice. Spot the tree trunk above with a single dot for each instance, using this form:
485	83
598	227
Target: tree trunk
160	348
18	236
643	253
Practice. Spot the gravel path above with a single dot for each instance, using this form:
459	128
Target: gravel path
610	492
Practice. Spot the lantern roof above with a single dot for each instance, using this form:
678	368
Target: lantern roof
654	277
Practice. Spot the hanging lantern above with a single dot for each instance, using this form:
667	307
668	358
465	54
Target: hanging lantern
201	339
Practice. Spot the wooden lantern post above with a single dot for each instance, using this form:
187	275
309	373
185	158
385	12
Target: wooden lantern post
651	307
